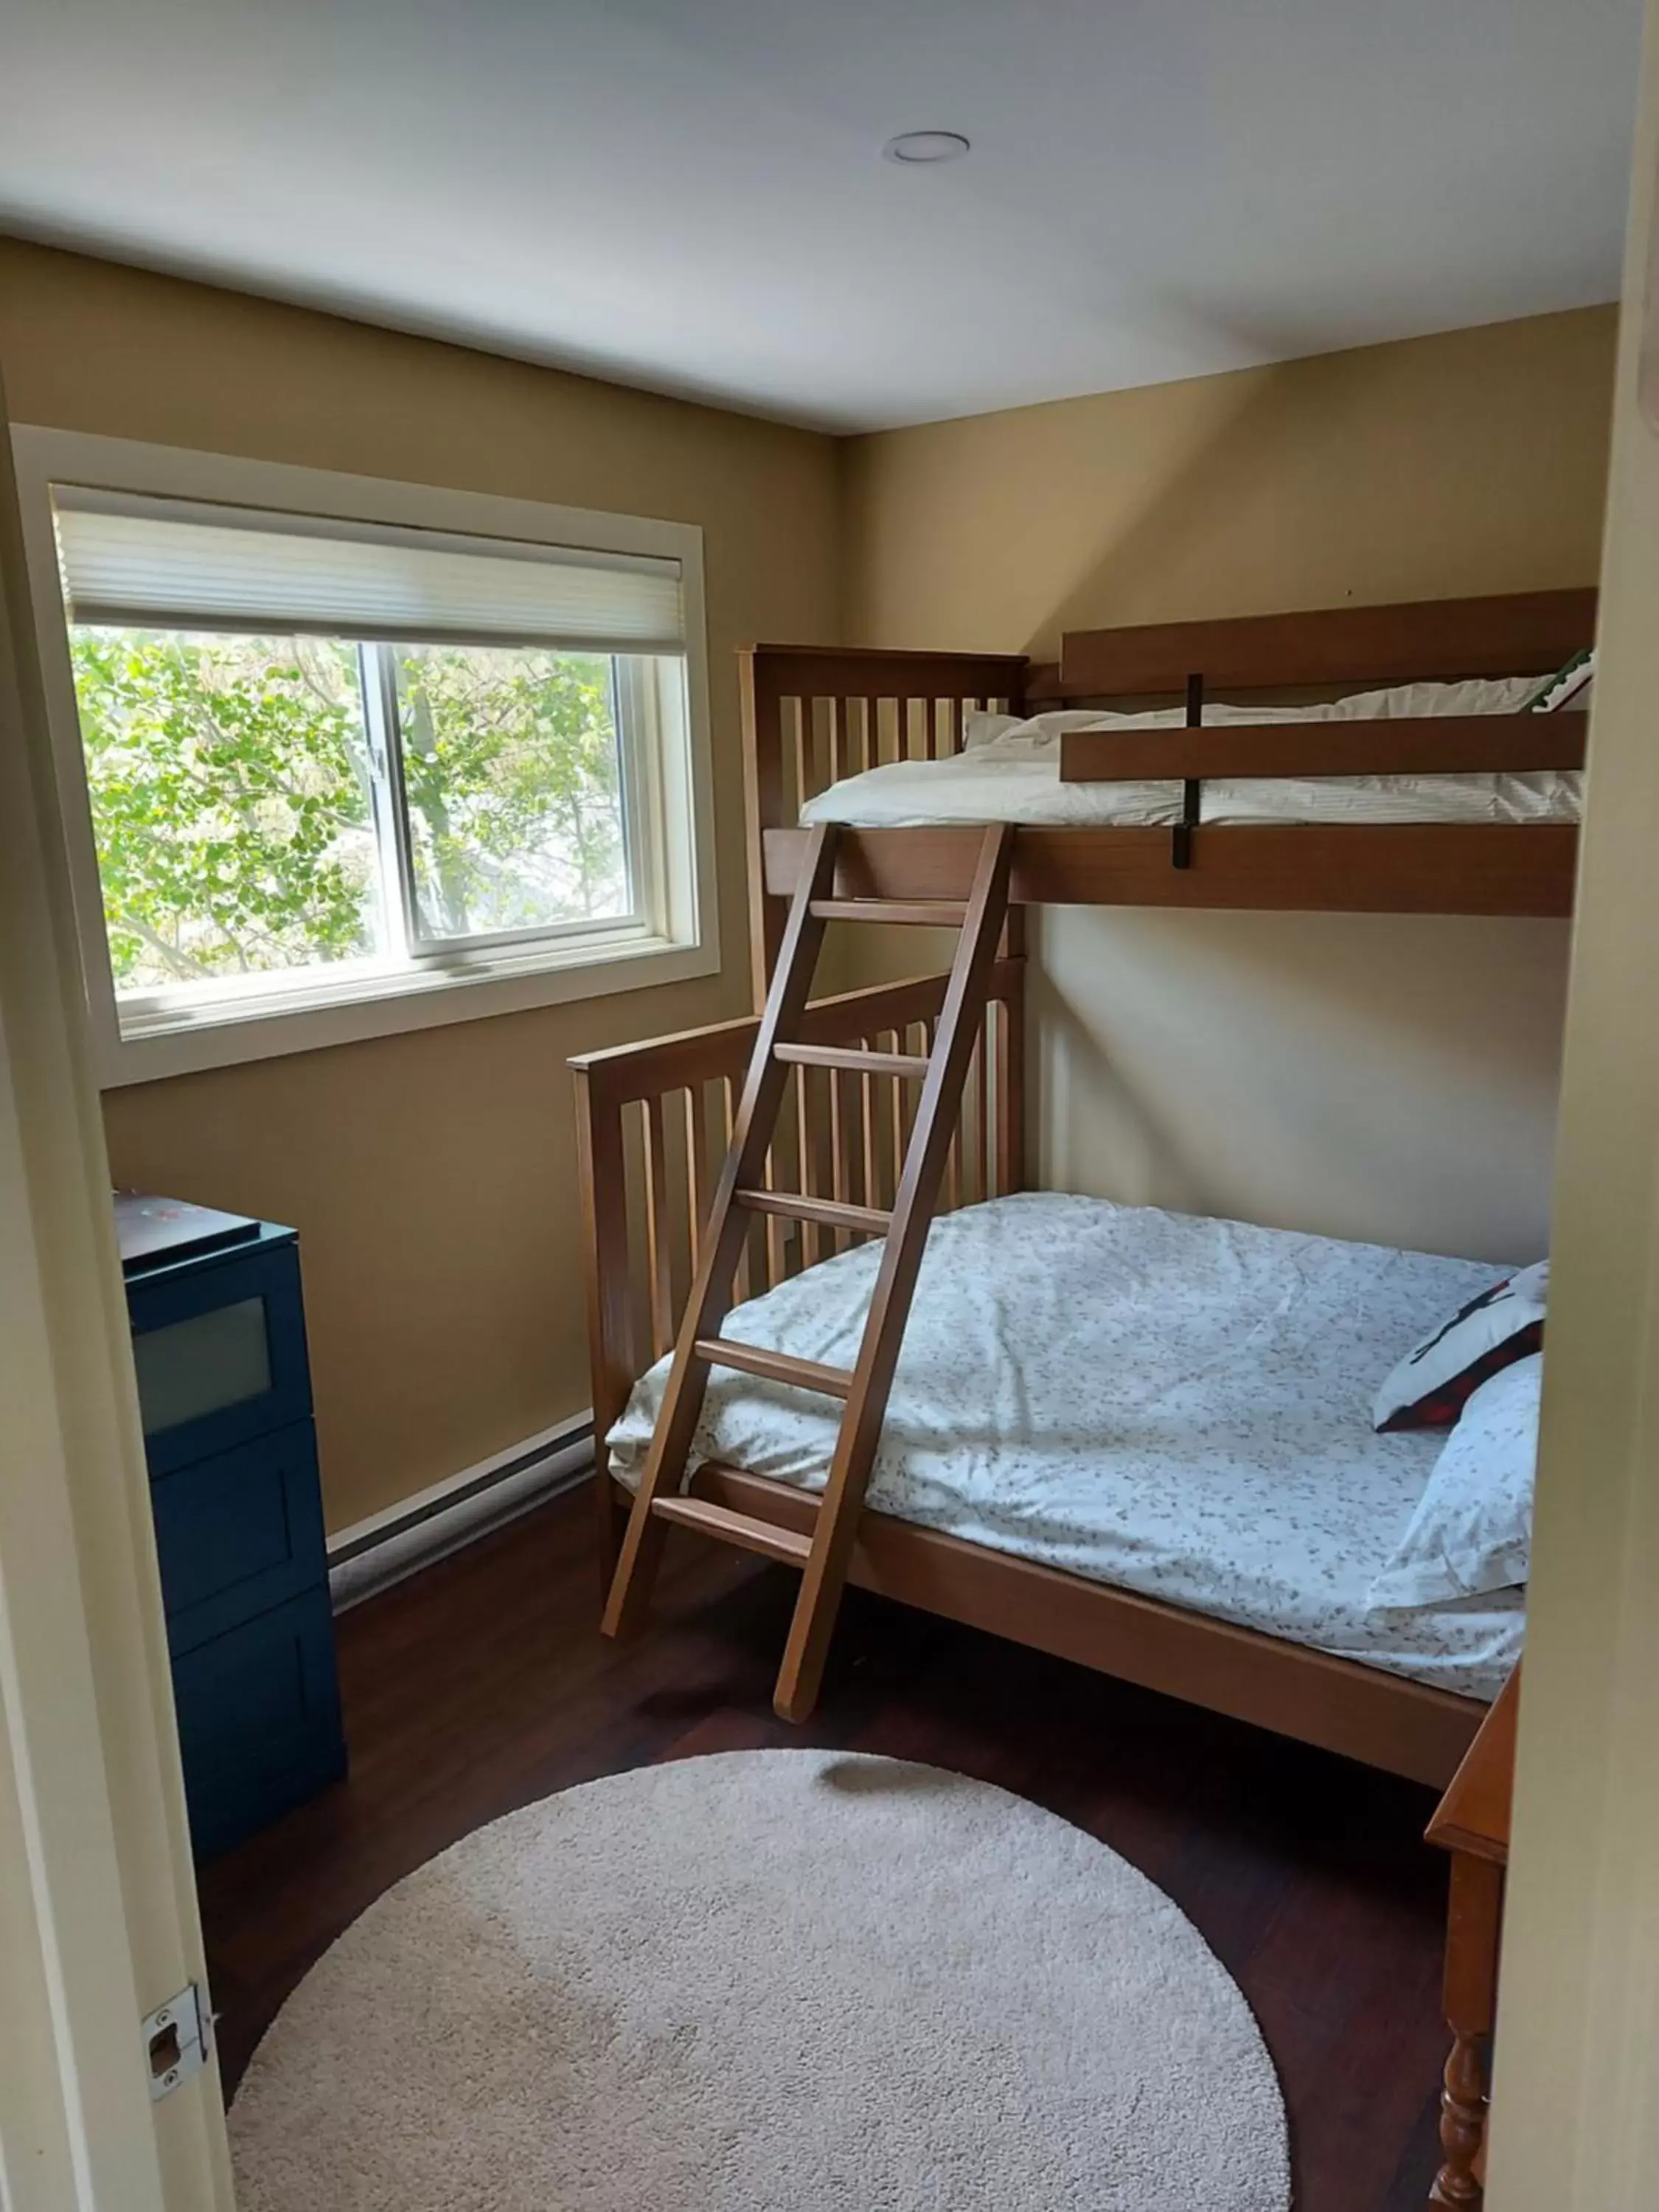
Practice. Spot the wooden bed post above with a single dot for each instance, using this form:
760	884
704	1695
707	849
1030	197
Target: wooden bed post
603	1170
763	807
1010	1043
1475	1916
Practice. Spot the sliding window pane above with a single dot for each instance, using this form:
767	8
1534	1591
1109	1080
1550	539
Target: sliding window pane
229	784
512	785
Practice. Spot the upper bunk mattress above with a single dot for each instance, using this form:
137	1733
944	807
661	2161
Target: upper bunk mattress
1180	1407
1009	771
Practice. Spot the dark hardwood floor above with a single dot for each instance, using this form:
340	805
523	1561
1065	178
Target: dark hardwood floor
481	1684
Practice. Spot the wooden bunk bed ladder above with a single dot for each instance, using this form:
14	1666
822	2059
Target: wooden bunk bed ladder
824	1555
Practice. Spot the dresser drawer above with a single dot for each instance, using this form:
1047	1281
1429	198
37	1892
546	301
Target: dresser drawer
258	1720
219	1350
237	1533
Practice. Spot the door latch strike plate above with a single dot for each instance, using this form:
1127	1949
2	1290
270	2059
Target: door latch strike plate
175	2042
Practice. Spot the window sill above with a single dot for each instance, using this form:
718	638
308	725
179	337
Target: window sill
351	1012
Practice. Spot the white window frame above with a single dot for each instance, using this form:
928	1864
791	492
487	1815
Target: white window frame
668	785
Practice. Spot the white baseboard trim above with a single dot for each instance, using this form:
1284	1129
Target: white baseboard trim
374	1553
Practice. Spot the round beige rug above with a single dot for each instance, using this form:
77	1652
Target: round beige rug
780	1981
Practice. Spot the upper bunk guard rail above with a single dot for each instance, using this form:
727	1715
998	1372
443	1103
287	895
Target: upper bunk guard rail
1445	744
1413	642
700	1344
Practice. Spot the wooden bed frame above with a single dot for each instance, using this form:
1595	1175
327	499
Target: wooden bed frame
812	716
654	1119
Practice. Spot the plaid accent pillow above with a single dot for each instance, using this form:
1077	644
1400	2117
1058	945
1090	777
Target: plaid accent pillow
1431	1384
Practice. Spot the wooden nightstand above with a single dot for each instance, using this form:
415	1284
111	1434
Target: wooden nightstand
1471	1821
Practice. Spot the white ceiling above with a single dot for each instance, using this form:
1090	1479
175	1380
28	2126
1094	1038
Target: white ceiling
688	194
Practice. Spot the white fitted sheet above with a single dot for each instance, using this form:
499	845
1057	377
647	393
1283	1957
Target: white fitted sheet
1177	1406
1010	772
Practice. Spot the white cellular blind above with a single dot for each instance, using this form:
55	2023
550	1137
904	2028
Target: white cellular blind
139	562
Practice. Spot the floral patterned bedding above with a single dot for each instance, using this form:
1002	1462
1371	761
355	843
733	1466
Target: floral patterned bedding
1178	1406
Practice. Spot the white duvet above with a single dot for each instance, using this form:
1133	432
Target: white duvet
1009	771
1178	1406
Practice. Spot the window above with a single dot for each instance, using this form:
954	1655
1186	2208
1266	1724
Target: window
265	806
324	767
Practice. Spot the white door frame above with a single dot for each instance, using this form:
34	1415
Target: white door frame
1576	2110
98	1922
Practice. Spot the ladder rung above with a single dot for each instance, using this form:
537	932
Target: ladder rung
788	1545
827	1212
775	1366
852	1061
929	913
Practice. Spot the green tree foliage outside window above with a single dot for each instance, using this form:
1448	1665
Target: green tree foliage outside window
233	809
510	771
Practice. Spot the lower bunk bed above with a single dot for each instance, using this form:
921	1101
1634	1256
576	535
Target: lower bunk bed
1137	1440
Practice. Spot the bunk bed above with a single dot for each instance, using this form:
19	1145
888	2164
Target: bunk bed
818	1166
813	719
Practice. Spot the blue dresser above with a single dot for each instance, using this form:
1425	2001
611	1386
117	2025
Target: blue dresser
219	1342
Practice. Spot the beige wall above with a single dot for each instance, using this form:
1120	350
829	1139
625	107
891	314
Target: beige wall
432	1176
1372	1077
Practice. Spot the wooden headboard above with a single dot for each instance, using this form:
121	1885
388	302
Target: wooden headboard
814	713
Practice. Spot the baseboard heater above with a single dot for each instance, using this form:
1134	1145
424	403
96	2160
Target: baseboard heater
373	1555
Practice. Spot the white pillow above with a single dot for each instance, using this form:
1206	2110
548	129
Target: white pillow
1430	1385
1473	695
1472	1530
979	729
